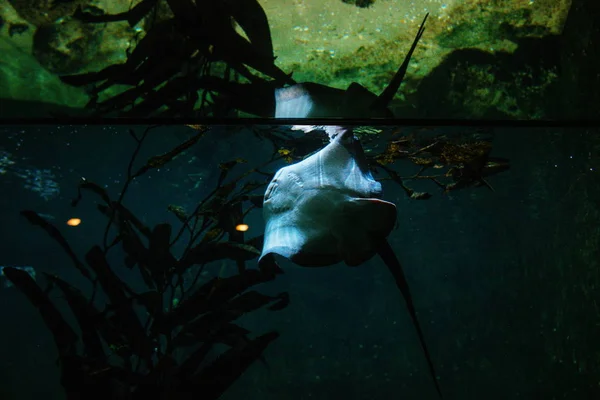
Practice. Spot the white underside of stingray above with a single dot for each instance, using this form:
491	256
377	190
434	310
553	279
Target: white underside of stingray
327	208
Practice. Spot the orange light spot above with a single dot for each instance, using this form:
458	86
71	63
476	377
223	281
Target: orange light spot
73	222
242	227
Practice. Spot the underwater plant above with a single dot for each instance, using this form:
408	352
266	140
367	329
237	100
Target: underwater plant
198	50
130	346
160	342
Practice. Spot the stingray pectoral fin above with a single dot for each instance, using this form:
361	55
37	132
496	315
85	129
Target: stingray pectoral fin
293	102
376	216
391	261
364	223
355	247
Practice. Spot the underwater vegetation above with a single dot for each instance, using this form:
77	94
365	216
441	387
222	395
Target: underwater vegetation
160	342
6	283
197	35
119	351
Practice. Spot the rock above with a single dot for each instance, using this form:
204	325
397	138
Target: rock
66	47
42	12
23	78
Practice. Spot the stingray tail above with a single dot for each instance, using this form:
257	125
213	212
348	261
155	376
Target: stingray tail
387	254
390	91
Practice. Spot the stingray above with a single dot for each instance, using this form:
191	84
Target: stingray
313	100
327	209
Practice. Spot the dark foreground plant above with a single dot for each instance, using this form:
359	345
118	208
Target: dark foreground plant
158	343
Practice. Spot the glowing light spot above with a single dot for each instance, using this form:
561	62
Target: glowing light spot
74	222
242	227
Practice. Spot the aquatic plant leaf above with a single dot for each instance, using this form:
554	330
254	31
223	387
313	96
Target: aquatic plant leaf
127	232
146	276
132	16
64	336
126	215
122	217
243	96
152	300
179	212
157	57
168	95
213	380
139	11
421	161
86	315
231	215
214	204
195	127
228	334
159	255
473	164
226	168
189	367
396	178
150	261
420	196
475	152
208	297
212	235
160	161
84	184
252	19
137	254
495	165
109	281
227	368
394	150
88	318
249	301
55	234
216	325
124	313
161	382
212	251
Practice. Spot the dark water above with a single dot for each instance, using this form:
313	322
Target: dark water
506	282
